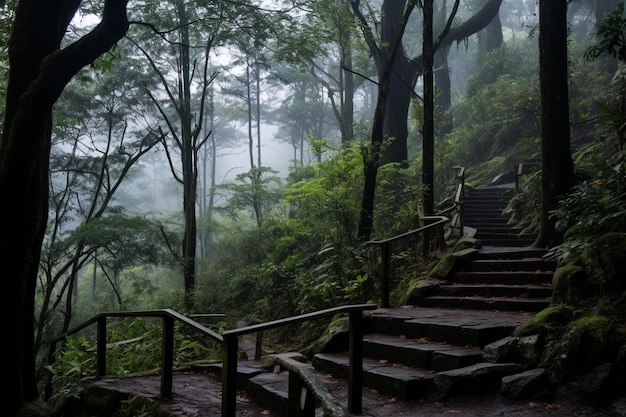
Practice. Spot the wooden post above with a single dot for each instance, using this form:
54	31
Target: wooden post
355	371
301	401
229	376
167	357
101	350
385	272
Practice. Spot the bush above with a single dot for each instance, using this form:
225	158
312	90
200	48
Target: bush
593	220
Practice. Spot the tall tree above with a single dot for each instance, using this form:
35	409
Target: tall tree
428	132
557	168
396	83
182	111
39	70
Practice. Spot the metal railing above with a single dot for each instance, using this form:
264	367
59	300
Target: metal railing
438	222
229	340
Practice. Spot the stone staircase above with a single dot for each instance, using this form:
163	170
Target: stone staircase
437	348
483	209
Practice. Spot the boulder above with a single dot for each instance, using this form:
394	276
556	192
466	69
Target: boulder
481	378
533	384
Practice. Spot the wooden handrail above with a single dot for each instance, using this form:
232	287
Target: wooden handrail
229	340
385	247
439	220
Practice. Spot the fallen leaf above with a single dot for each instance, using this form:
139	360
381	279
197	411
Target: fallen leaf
453	411
265	412
552	406
383	361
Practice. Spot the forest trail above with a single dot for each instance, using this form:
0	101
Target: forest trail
497	307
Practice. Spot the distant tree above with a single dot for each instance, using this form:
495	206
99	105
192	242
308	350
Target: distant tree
179	60
39	70
557	168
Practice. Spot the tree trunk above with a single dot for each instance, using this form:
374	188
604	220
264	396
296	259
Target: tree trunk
189	161
38	73
428	133
490	37
557	169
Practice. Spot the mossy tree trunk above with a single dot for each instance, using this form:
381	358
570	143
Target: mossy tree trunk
39	70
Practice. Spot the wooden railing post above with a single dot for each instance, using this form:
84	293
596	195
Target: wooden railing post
301	402
355	371
229	376
385	268
167	357
101	350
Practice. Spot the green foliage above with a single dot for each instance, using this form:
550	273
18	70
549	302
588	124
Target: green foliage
512	62
593	220
612	36
133	347
256	191
525	205
491	122
74	362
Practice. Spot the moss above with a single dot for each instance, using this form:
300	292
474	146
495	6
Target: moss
570	284
589	341
547	320
467	243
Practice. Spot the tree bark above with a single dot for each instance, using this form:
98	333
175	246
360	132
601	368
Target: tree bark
38	72
428	133
557	168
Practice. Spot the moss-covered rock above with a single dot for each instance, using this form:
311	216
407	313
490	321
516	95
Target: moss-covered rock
547	320
467	242
419	289
589	341
334	338
570	284
427	285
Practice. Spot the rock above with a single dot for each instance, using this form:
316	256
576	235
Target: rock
500	350
481	378
444	268
533	383
334	339
571	284
601	386
419	290
529	349
546	320
467	242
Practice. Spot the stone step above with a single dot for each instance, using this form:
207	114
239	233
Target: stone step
478	204
491	252
508	234
483	211
488	303
499	290
503	277
422	352
449	325
388	378
525	264
503	242
271	390
413	383
494	223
